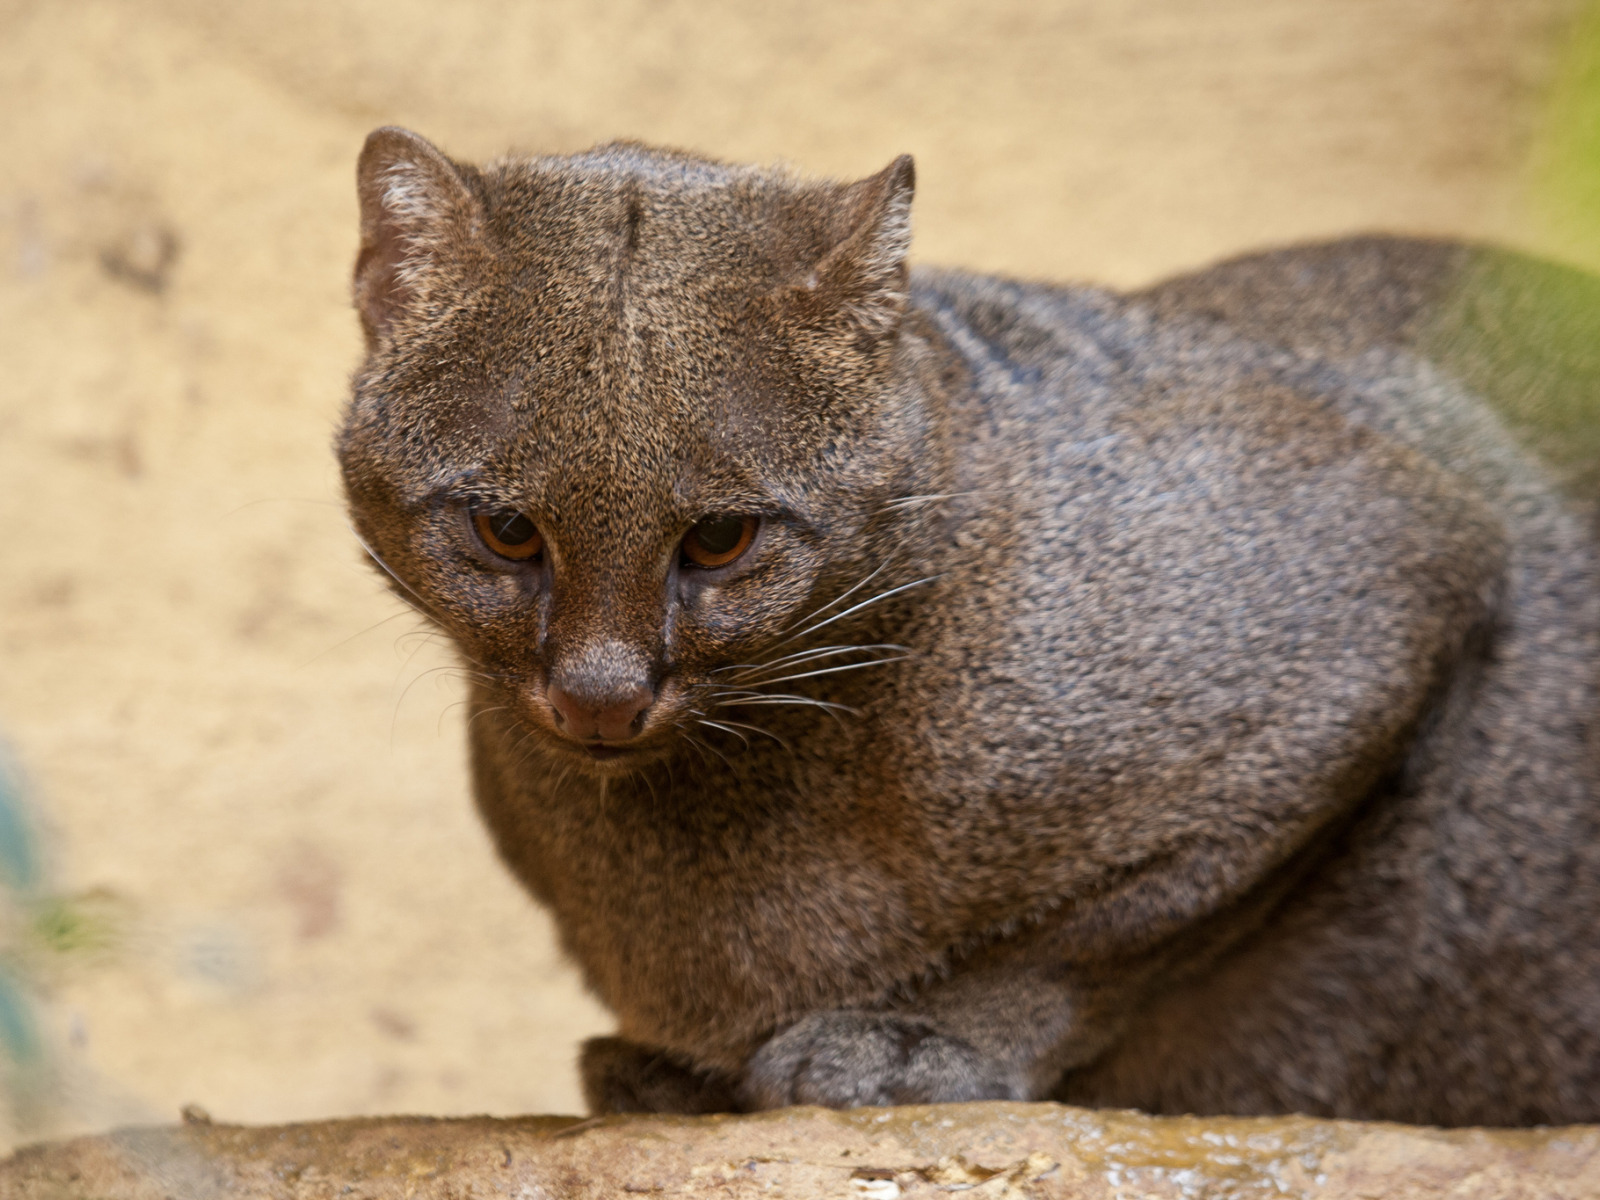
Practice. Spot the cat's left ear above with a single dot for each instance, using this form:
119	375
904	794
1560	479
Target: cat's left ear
417	207
864	277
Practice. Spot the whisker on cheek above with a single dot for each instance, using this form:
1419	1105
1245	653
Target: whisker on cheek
391	573
846	594
739	699
733	727
484	712
855	608
726	729
701	745
803	656
877	662
407	611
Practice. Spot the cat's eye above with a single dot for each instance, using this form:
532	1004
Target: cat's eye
717	541
508	533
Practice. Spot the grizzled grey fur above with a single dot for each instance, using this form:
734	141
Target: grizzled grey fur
1215	733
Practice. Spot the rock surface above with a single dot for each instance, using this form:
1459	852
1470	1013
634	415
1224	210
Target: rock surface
975	1150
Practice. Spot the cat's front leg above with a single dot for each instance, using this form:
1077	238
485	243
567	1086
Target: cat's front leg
1003	1027
848	1058
621	1076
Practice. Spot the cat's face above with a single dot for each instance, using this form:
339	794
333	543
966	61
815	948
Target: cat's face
626	420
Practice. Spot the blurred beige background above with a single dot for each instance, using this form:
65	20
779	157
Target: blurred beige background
246	761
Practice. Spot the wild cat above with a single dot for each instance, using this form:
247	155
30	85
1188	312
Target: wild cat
907	685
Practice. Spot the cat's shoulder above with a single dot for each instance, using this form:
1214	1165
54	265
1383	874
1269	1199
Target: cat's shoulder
1336	297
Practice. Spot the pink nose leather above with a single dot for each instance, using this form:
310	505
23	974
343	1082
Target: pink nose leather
612	719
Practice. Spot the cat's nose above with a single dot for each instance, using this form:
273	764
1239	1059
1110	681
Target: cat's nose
615	717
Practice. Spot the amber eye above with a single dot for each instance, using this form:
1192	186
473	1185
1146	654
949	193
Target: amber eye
508	533
717	541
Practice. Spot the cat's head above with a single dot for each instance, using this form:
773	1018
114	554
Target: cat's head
626	418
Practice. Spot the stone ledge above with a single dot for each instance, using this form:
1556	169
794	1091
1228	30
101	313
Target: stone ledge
970	1150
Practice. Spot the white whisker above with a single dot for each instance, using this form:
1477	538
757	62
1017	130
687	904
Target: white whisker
733	727
785	698
407	611
911	501
855	608
698	745
725	729
801	656
418	678
390	572
484	712
844	595
877	662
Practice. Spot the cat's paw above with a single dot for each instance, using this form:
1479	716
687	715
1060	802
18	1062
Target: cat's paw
849	1059
622	1076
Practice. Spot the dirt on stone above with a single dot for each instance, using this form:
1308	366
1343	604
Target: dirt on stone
262	885
992	1150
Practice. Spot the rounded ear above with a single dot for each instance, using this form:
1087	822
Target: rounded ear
864	278
416	206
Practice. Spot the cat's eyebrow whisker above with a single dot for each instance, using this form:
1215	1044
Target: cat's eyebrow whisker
904	587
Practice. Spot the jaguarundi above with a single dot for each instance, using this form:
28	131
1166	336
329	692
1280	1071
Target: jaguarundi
905	685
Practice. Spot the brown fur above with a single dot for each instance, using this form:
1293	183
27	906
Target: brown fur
1219	738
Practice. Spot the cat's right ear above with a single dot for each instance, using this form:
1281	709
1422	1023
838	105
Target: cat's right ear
416	205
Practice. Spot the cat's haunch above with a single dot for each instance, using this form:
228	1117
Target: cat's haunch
909	686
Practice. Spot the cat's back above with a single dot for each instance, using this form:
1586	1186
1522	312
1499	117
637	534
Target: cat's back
1224	480
1325	319
1186	496
1158	521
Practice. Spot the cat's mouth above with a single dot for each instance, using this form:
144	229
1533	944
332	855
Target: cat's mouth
611	757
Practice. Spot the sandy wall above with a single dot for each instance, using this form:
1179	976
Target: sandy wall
265	890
